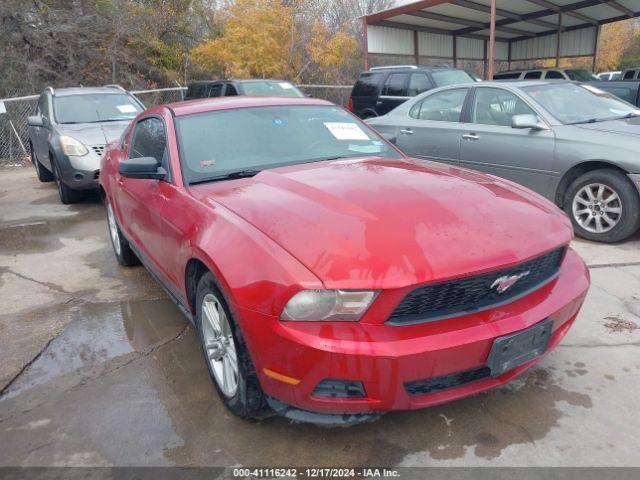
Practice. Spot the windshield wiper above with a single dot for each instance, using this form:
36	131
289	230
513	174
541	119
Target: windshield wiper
228	176
591	120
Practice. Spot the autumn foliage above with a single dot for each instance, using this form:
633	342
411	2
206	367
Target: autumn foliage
267	38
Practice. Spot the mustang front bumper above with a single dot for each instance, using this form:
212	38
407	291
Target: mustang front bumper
293	358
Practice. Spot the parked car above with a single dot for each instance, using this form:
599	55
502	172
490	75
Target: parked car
574	144
577	74
330	277
381	89
232	88
609	76
627	90
70	130
631	74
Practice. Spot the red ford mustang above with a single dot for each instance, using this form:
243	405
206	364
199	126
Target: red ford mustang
330	277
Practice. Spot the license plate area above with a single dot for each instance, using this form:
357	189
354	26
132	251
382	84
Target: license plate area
513	350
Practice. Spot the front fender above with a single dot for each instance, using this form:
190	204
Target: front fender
254	271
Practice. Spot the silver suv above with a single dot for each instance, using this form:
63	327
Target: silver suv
70	130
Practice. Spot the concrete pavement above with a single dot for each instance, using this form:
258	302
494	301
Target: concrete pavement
97	367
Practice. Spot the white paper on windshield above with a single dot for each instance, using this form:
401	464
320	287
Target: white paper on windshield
346	131
126	108
285	85
3	109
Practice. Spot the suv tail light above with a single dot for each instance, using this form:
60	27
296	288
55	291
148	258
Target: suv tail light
350	105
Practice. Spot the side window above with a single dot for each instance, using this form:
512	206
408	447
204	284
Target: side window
532	75
507	76
367	85
418	83
216	90
395	85
441	107
494	106
629	75
230	90
150	140
554	75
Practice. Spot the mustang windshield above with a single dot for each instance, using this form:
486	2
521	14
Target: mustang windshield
95	107
572	104
234	143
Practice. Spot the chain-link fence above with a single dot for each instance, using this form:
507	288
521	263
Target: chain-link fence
14	131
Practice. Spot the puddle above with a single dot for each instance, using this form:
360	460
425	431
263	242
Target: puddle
99	333
42	235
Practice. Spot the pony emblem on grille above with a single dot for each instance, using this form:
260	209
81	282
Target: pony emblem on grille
504	283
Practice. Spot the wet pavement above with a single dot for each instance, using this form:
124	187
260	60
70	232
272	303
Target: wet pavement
97	367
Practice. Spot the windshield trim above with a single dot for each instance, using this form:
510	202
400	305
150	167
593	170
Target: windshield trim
181	154
134	100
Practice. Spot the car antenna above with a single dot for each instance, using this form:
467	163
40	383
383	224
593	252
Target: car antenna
102	127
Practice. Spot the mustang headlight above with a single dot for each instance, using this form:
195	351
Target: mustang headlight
328	305
72	147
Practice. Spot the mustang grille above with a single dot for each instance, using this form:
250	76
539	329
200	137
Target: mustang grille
471	294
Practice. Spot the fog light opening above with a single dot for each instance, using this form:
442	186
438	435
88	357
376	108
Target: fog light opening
335	388
78	176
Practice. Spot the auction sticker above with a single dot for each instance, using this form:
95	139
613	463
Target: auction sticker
126	108
346	131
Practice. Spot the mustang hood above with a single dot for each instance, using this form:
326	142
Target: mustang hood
94	133
374	223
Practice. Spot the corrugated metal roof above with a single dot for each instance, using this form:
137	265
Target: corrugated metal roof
530	26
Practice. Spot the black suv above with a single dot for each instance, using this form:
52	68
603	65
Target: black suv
231	88
381	89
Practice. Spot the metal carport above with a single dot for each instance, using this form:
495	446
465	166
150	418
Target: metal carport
492	30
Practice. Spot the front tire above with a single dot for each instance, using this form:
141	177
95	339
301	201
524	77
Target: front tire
43	174
226	353
604	206
67	194
121	248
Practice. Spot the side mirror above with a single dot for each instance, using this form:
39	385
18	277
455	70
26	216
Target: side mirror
147	168
527	121
35	121
390	137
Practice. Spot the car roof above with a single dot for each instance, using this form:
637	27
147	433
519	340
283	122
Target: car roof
239	80
63	92
524	83
410	69
226	103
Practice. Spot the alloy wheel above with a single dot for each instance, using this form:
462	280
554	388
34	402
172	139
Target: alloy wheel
597	208
113	229
219	345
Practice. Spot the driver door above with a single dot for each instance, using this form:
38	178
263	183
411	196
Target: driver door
142	200
491	145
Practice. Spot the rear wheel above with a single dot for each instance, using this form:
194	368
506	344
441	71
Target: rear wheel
121	248
603	206
67	195
226	353
43	174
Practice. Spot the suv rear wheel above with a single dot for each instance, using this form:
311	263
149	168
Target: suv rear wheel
43	174
603	206
226	353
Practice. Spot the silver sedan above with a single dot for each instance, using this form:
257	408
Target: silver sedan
572	143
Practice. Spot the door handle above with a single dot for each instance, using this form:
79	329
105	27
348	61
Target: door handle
471	136
406	131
